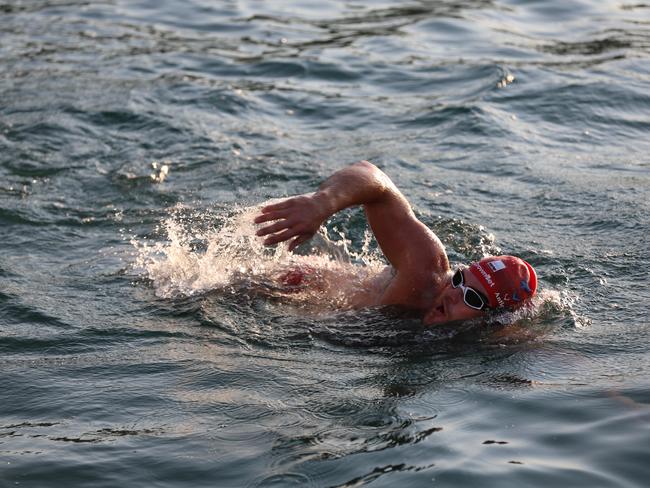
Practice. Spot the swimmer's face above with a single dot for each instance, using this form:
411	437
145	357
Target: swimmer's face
450	306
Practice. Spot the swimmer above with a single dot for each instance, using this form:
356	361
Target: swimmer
420	277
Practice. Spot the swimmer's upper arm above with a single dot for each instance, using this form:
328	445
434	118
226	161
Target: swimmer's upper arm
406	242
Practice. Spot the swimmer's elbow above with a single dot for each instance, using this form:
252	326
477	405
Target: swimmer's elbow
370	169
367	165
376	178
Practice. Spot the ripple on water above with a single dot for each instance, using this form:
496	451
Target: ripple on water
284	479
531	112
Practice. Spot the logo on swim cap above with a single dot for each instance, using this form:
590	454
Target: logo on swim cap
496	265
508	280
485	274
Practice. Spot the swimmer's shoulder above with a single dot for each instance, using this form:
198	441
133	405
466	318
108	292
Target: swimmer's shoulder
416	287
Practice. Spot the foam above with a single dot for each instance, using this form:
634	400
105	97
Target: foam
206	250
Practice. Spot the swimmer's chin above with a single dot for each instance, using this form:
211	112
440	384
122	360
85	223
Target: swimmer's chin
442	321
437	315
455	325
449	322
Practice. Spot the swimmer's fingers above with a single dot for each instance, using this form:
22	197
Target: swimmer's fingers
283	205
274	211
269	216
273	228
298	217
282	236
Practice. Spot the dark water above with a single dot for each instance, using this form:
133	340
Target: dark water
520	126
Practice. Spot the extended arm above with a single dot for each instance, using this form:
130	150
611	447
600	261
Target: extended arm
404	240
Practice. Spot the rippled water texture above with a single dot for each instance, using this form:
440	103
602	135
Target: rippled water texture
141	340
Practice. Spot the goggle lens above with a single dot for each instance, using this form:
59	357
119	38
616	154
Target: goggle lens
471	297
457	279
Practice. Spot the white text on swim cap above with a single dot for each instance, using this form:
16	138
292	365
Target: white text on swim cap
486	275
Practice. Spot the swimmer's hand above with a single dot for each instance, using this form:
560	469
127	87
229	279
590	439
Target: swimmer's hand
297	218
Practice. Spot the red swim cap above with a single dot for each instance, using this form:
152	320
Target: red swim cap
508	280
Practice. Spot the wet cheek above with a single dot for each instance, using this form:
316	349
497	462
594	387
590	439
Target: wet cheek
460	311
455	311
455	301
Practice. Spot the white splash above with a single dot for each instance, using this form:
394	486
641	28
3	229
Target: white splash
202	251
160	172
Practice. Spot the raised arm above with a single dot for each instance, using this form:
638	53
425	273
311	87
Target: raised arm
404	240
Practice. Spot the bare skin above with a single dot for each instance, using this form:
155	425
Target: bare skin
422	275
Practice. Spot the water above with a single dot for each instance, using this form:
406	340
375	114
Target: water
141	340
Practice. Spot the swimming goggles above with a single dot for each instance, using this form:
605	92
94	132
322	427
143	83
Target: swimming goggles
471	297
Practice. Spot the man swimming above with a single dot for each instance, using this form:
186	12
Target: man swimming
422	278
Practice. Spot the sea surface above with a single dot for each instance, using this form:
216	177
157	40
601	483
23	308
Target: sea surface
142	342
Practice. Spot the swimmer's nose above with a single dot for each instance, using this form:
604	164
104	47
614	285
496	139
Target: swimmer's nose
456	296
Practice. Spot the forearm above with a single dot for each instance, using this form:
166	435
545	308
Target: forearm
300	217
361	183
